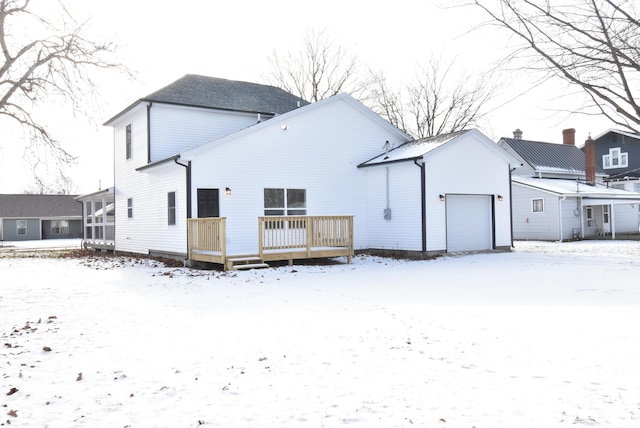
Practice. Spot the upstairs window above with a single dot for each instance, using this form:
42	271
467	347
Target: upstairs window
130	208
128	142
615	159
537	205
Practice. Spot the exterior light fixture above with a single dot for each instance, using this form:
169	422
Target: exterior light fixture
284	127
500	198
227	191
441	198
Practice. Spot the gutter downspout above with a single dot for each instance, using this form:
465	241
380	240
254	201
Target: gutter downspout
149	132
423	200
560	215
511	203
188	172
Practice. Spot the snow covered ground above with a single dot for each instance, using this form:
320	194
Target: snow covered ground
545	336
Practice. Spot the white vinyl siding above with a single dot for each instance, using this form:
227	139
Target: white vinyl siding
309	155
178	128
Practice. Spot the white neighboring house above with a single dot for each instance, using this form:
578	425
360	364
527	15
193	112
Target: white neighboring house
559	193
207	148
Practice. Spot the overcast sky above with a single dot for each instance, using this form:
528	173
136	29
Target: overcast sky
162	41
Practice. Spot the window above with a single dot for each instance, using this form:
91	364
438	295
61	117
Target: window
130	208
537	205
171	208
59	227
615	159
285	202
22	227
128	142
605	214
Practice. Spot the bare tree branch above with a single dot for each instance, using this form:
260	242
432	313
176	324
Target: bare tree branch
45	60
592	44
320	69
437	101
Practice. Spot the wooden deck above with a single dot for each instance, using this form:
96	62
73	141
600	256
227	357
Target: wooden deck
279	238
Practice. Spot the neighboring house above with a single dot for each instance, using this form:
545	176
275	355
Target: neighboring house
618	154
260	171
559	193
32	217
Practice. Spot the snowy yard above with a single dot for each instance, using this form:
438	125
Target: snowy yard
545	336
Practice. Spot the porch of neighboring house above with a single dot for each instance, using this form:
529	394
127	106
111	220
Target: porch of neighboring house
99	220
279	238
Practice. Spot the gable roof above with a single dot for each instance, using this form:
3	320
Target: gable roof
211	92
39	206
619	132
417	149
550	157
281	120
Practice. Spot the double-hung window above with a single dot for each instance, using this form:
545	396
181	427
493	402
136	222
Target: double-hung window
130	208
21	227
537	205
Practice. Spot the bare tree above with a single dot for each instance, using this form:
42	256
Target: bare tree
437	101
45	60
593	45
319	69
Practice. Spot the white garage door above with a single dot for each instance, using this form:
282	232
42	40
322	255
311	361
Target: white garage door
469	223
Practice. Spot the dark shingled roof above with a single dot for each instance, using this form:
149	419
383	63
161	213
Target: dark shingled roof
550	156
39	206
212	92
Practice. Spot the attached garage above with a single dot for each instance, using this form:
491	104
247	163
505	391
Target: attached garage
469	222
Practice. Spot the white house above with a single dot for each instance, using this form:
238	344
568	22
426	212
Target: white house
264	164
559	193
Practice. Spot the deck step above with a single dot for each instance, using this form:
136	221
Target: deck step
250	266
245	263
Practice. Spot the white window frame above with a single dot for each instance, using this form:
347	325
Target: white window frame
605	214
615	159
288	207
22	227
534	205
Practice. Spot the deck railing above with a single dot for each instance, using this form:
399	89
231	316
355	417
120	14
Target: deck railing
279	238
207	239
312	234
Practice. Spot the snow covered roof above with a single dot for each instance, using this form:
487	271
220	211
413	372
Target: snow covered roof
566	187
620	132
413	149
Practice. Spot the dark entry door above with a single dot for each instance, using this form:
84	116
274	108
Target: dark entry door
208	203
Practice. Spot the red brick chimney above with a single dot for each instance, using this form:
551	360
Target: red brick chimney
569	136
590	161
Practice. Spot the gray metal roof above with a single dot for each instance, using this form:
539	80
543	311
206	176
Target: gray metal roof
550	157
213	92
39	206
